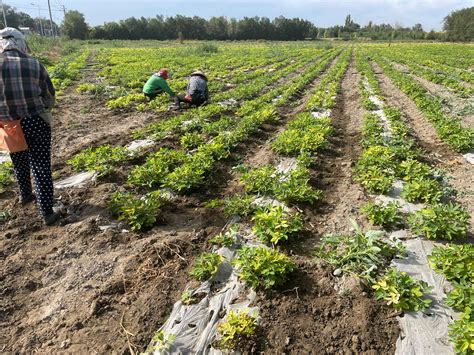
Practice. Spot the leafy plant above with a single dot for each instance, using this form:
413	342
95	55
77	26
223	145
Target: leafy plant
139	213
402	291
263	267
456	262
157	166
226	239
362	254
101	159
6	174
446	221
205	266
422	190
275	224
385	216
191	140
163	342
461	333
292	186
187	298
238	327
462	296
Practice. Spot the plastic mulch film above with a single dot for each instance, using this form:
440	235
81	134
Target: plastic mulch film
194	326
78	180
424	332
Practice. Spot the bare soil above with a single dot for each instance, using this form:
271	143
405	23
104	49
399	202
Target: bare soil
439	154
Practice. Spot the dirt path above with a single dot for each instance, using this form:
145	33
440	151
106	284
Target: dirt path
309	315
342	197
460	172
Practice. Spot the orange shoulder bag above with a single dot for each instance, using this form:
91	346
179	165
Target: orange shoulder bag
12	138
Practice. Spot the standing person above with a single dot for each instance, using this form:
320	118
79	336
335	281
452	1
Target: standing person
157	84
197	92
26	93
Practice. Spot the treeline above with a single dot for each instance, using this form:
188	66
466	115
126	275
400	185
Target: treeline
216	28
459	25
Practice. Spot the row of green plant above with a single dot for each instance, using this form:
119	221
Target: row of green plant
193	171
65	72
243	92
449	129
437	220
435	76
456	263
260	267
388	158
127	71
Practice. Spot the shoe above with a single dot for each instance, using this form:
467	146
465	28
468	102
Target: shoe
51	218
174	107
25	201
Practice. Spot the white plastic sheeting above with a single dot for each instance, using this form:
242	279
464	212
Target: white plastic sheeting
424	333
469	157
78	180
194	326
140	144
395	195
4	157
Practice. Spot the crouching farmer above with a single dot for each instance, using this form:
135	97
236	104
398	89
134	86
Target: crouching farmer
197	92
157	84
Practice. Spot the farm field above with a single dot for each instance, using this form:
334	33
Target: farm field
322	202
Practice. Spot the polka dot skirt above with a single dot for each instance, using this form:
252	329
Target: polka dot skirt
38	160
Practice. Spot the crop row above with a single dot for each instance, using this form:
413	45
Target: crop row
127	75
64	73
261	265
192	172
195	128
449	129
435	76
395	156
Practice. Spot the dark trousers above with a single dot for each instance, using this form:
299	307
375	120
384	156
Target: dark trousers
194	101
153	95
38	160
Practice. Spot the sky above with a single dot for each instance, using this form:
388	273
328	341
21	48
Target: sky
323	13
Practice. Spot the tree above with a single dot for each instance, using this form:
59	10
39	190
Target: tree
75	26
459	25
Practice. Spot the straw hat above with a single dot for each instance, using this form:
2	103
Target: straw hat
199	73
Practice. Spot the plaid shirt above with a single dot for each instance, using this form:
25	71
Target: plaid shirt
25	86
